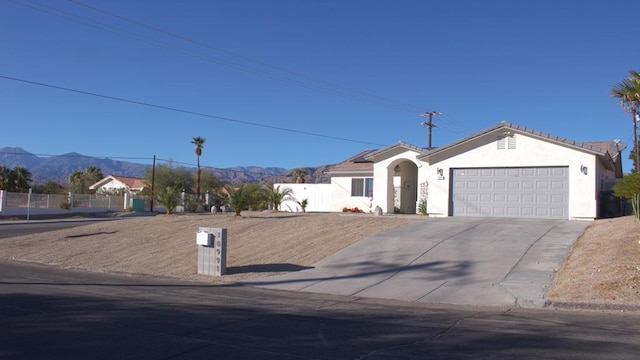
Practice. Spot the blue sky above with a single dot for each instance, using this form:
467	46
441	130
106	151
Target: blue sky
357	74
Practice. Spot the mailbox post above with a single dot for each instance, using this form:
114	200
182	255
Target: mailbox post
212	251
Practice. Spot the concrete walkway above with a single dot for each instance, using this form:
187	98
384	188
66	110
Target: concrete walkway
470	261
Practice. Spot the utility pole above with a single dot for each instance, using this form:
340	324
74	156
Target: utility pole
429	122
153	180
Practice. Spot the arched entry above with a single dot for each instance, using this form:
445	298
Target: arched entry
403	180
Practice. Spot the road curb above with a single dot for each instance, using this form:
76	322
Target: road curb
568	305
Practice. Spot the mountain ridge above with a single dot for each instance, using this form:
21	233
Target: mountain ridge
58	168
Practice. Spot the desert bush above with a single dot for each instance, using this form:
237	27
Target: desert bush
629	188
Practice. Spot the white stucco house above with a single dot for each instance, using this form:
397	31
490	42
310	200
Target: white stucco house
118	184
505	170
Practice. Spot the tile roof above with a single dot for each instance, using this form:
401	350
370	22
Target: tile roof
395	146
589	147
609	146
131	182
356	163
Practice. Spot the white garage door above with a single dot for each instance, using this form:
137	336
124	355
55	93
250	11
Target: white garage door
535	192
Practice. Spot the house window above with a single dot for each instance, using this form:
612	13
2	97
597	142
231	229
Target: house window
506	141
362	187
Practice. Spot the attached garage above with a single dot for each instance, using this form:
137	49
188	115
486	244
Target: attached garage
506	170
522	192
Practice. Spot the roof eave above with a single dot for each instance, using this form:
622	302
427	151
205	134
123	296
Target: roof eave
350	172
372	156
521	130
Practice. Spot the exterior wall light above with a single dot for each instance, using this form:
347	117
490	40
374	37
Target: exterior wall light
440	173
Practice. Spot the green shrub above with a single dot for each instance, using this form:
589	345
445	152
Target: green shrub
422	207
629	188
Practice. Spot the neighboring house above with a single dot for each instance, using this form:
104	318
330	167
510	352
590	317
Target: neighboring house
505	170
118	184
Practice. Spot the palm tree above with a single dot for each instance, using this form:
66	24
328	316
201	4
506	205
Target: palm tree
199	143
5	178
628	91
79	181
169	198
275	196
299	174
21	178
243	197
303	205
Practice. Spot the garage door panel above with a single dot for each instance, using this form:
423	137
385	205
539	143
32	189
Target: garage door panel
510	192
527	198
542	185
527	211
542	198
543	171
497	172
542	212
486	185
514	198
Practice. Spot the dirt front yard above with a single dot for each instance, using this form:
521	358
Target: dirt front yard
259	243
603	266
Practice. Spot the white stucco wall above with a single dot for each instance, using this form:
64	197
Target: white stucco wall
384	176
341	194
318	197
529	152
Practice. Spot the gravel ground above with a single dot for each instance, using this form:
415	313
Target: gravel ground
258	243
603	266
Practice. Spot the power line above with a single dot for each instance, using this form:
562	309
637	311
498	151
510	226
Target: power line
243	57
76	155
243	122
171	161
266	70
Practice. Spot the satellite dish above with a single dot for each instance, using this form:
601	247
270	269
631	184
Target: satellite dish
618	144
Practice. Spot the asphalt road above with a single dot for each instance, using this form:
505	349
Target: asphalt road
48	313
19	228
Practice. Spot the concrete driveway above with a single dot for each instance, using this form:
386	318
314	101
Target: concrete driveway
470	261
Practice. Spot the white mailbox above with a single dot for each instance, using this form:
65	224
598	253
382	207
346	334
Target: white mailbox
204	238
212	251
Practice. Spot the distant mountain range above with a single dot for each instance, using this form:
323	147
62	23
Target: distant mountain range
59	168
